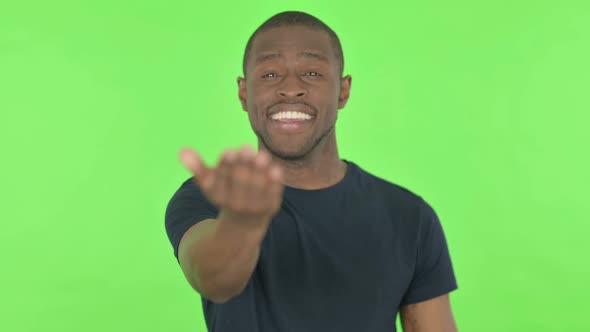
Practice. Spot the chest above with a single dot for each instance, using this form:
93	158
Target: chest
342	257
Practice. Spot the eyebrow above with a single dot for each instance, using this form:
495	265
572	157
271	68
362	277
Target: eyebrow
305	54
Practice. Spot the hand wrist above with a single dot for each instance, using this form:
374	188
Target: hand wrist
251	229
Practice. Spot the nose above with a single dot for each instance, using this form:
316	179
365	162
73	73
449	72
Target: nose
291	87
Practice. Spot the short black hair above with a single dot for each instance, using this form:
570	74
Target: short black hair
296	18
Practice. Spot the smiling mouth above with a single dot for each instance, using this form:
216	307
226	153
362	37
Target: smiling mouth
291	110
290	121
291	116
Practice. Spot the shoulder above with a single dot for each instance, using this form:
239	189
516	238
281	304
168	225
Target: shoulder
187	188
387	191
408	212
189	184
188	196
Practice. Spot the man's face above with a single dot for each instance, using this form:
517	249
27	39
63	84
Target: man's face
293	69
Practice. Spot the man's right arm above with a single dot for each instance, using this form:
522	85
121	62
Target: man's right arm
218	256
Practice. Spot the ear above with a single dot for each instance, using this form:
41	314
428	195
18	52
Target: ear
242	93
345	84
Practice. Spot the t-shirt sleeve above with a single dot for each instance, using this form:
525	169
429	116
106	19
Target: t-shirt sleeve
433	274
187	207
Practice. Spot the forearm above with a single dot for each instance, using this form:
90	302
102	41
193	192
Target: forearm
224	257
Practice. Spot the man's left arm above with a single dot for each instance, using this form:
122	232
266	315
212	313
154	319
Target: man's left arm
426	307
434	315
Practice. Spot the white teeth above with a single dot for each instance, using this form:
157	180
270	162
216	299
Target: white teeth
290	115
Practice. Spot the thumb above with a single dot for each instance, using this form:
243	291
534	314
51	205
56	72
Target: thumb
192	162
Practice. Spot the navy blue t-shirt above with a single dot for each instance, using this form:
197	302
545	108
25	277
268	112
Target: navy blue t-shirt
342	258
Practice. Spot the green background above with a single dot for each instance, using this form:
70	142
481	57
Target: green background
479	107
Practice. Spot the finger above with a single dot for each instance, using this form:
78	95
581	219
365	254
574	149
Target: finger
273	171
275	187
221	186
241	178
193	162
259	179
247	151
262	160
276	173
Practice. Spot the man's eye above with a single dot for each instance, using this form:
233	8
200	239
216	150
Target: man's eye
309	73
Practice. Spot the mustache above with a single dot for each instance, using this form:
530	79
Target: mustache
295	102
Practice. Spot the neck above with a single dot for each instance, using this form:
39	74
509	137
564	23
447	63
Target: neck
319	169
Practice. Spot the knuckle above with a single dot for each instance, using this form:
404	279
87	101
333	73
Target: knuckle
241	206
241	176
258	180
234	204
